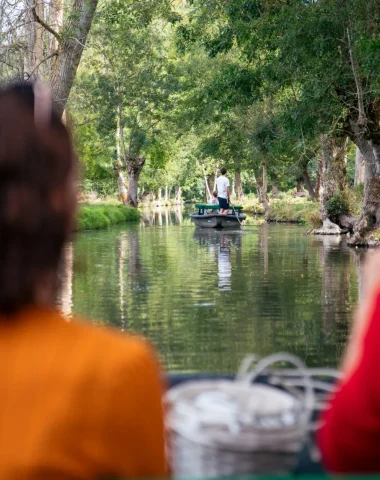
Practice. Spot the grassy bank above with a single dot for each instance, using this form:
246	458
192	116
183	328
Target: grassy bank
299	211
91	217
286	209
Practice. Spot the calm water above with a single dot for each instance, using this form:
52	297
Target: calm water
207	298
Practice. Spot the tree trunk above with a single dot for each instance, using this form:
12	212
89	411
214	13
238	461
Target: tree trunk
71	48
274	190
134	167
308	184
120	129
261	186
56	22
166	194
366	139
123	194
120	177
265	178
210	184
207	187
239	189
370	216
299	186
333	179
177	195
34	34
359	168
318	183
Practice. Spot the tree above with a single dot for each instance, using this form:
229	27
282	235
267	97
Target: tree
39	42
129	84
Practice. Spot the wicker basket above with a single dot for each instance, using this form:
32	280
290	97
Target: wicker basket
221	428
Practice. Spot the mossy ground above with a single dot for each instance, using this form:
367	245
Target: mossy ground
91	217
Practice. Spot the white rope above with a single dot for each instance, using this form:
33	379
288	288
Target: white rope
222	427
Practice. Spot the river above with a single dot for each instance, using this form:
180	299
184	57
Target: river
207	298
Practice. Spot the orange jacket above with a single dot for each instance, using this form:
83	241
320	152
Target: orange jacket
77	402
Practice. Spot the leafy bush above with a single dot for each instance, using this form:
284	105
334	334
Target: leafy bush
297	211
356	195
314	219
102	187
338	204
91	217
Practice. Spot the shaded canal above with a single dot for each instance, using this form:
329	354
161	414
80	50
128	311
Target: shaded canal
206	298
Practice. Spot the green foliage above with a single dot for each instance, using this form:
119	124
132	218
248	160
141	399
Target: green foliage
314	219
295	211
355	198
197	85
338	204
252	205
375	234
91	217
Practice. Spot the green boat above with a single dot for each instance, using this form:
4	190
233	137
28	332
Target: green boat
208	217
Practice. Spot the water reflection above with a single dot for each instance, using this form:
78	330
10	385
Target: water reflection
219	243
161	216
206	298
224	263
65	275
122	245
336	279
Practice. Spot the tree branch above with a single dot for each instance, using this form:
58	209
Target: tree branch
355	71
54	54
45	25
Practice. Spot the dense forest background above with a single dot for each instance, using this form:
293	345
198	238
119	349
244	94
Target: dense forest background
161	94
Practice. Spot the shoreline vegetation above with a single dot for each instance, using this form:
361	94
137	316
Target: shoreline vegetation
304	118
287	207
103	215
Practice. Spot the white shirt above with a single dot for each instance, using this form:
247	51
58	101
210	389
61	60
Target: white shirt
222	183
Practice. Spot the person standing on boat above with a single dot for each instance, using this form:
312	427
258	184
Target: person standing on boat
223	187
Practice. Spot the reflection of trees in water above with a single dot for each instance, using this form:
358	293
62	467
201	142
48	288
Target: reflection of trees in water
336	277
162	216
264	247
159	217
131	275
122	246
178	214
359	256
163	282
65	275
147	218
219	243
305	295
338	293
224	263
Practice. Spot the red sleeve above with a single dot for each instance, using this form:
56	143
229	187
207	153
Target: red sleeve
350	436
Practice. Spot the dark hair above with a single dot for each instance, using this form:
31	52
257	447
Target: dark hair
223	171
215	194
36	202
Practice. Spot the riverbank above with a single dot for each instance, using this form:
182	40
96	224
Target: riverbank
286	210
95	216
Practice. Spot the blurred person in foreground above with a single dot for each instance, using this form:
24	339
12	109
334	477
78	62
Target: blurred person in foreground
350	436
75	402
